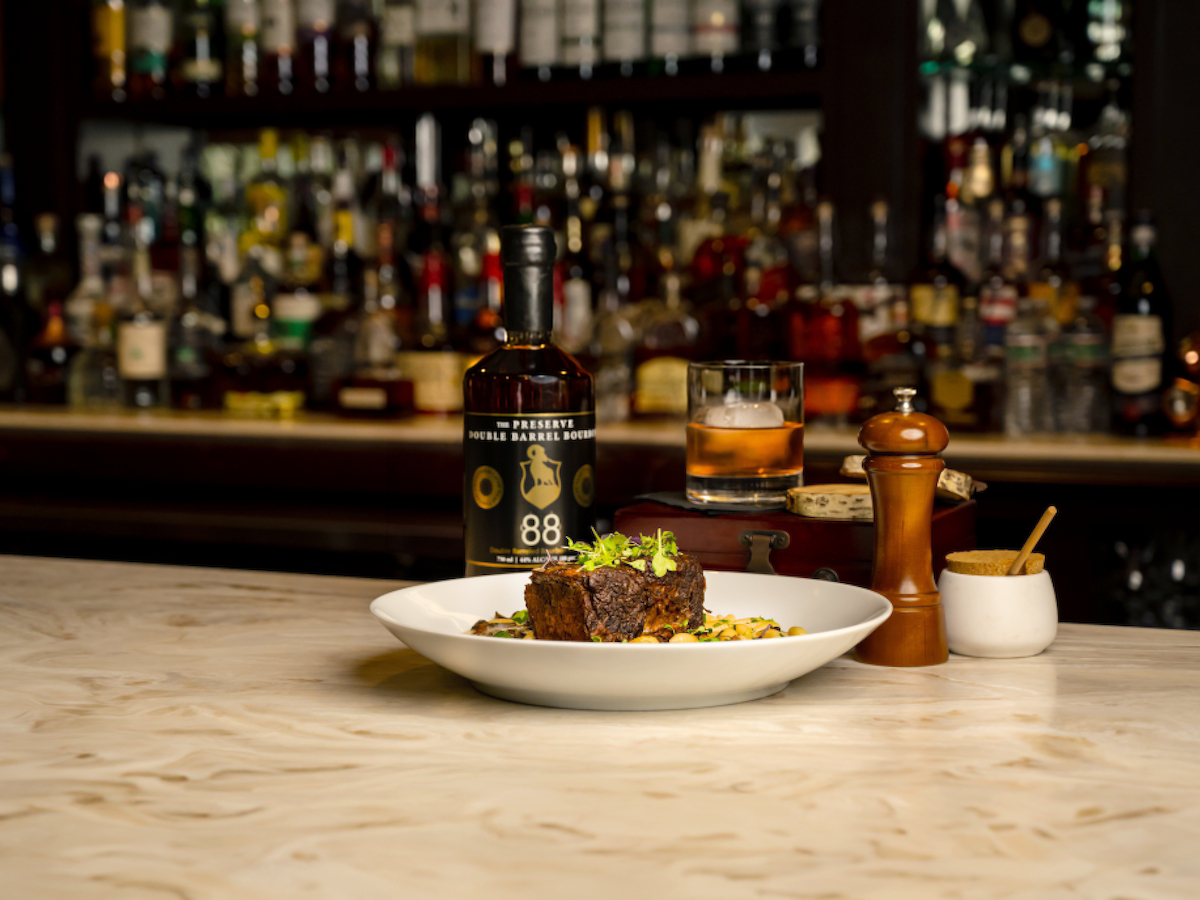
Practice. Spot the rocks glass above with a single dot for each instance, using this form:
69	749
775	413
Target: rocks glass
745	432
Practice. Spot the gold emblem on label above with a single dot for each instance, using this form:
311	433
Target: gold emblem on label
487	487
584	486
539	478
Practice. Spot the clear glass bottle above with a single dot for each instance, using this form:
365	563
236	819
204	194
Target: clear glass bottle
1028	406
1083	400
529	427
94	379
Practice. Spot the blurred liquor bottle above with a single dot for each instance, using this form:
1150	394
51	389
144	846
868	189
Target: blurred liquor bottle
496	38
50	354
997	296
194	340
433	364
761	31
1028	407
357	41
266	198
829	345
376	387
243	53
258	378
1141	329
315	39
803	29
670	33
541	36
936	290
279	64
94	379
574	317
142	341
444	51
200	69
884	326
716	31
109	49
580	23
151	33
396	59
625	34
1083	403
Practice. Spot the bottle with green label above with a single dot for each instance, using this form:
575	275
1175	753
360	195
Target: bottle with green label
529	427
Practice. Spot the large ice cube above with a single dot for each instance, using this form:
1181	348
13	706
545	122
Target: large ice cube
744	415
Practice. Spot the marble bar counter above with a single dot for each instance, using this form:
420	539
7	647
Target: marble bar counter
202	733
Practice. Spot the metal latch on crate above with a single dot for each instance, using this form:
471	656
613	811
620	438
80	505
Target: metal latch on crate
761	543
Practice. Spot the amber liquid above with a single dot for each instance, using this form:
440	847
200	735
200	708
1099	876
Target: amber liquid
744	465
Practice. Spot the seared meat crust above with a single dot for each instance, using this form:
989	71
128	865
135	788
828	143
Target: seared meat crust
567	603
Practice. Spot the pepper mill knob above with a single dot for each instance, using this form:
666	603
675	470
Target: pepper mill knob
903	468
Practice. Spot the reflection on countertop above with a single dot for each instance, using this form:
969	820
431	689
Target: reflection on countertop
205	733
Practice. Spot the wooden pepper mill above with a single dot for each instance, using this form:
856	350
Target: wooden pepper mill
903	468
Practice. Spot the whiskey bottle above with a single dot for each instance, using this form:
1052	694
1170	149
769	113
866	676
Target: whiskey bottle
529	442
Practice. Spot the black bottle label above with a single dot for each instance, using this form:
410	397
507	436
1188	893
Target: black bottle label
529	486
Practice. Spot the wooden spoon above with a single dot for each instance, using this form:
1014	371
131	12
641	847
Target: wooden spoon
1038	531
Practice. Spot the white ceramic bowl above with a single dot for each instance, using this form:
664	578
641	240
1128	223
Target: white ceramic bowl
431	619
999	617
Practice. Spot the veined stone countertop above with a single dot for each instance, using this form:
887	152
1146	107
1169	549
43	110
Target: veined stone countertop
193	733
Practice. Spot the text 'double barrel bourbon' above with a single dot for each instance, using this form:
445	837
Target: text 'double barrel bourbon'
529	427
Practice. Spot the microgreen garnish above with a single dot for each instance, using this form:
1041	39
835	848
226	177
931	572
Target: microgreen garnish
595	638
660	549
521	616
502	634
617	549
